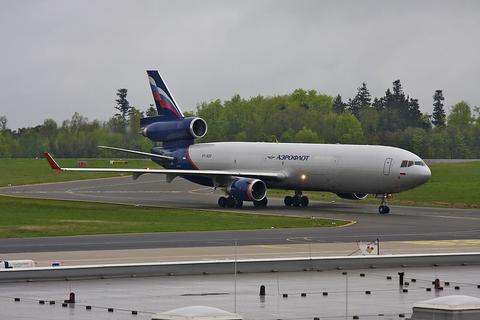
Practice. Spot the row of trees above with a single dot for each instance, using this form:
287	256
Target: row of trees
77	137
302	116
306	116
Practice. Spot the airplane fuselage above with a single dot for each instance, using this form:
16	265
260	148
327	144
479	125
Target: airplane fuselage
317	167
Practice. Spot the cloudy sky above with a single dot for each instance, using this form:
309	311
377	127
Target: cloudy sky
59	57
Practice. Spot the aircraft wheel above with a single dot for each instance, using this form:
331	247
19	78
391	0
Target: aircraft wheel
304	201
296	201
238	203
260	204
230	202
264	202
222	202
383	209
288	201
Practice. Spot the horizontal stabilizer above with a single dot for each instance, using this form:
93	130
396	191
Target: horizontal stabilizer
149	120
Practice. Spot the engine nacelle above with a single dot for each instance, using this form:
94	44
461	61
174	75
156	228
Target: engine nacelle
353	196
247	189
182	129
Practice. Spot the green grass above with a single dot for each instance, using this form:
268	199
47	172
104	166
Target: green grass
451	185
455	185
23	217
30	171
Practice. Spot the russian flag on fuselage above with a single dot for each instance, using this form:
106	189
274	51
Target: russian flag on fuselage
164	101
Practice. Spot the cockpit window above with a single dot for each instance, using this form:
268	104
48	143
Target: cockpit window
409	163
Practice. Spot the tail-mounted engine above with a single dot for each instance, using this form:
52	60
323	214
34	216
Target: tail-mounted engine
182	129
246	189
353	196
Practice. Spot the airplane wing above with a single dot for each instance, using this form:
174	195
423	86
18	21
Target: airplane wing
174	172
152	155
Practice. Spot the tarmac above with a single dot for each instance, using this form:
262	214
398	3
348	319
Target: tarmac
402	224
292	250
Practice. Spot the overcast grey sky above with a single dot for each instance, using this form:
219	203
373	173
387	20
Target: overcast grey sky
58	57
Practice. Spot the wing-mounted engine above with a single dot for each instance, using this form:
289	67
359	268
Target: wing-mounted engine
353	196
156	129
246	189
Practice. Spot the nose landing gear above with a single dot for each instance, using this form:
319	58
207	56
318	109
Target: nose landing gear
384	208
297	200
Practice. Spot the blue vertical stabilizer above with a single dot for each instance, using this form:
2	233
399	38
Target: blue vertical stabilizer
167	107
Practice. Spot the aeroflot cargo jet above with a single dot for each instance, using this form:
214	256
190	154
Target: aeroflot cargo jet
245	170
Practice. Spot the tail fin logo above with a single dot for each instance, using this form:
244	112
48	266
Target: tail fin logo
164	101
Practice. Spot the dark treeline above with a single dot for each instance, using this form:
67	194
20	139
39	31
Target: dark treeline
76	137
303	116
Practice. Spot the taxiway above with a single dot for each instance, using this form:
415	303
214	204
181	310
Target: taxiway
402	224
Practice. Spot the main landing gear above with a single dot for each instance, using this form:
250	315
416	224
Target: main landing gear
384	208
297	200
231	202
260	204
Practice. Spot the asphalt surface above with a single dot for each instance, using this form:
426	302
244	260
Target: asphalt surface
403	223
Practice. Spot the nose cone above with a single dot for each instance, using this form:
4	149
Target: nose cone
424	175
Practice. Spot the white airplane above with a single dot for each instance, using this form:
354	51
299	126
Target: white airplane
245	170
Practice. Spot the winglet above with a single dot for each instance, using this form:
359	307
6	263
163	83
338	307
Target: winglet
53	164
